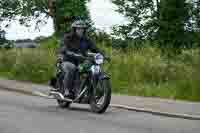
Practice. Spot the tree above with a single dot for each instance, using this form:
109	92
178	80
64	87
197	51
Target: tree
23	10
3	42
27	10
173	16
143	16
2	37
69	10
2	34
193	23
173	23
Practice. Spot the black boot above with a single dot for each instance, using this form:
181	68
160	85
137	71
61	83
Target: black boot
69	94
52	83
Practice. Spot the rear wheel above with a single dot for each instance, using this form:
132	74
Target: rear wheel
101	96
63	104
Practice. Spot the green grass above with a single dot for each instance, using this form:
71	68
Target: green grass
36	65
142	72
146	73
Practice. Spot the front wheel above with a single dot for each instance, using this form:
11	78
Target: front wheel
101	96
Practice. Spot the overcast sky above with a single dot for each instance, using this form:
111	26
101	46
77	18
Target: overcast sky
102	13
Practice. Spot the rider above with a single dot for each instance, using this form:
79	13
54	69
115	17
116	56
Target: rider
76	42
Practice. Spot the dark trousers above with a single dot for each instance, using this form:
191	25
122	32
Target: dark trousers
70	75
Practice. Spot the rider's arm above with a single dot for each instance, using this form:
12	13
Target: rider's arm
63	45
66	52
93	48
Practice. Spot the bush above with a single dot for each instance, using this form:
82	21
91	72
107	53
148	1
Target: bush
49	43
36	65
7	45
145	72
7	61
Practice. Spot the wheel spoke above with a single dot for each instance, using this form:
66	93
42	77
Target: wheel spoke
100	93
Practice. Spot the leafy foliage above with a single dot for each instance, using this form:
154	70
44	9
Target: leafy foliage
175	78
25	11
173	16
3	42
142	16
67	11
2	36
173	23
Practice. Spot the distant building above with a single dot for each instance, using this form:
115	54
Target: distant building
25	44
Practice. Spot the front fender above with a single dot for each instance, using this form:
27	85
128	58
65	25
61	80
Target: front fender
103	76
97	77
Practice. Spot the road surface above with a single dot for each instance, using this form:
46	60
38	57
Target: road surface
27	114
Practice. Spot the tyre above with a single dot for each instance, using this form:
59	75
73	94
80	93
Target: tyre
103	90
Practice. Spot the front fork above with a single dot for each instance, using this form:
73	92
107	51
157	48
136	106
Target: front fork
95	78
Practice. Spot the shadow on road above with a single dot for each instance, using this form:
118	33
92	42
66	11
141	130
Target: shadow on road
77	109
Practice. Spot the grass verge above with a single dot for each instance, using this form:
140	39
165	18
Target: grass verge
141	72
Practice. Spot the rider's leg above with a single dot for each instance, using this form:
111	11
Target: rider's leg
52	83
76	83
69	69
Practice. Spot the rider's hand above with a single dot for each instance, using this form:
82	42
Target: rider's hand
60	58
107	58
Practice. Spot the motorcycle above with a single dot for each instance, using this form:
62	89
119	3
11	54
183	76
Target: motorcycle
94	87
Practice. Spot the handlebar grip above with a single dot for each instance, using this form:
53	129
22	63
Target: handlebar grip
108	59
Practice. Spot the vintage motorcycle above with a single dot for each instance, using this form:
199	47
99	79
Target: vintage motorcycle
94	84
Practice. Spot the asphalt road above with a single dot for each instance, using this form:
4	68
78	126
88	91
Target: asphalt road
27	114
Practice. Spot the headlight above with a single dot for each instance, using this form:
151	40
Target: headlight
96	69
99	59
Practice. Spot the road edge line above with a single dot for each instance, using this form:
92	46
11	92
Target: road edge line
156	112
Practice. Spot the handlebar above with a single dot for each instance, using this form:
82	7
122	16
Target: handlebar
90	56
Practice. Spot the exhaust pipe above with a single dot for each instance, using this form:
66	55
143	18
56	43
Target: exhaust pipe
59	96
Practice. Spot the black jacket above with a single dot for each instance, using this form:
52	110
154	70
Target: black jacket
77	45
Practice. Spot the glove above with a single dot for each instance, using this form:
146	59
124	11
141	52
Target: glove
107	58
60	58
